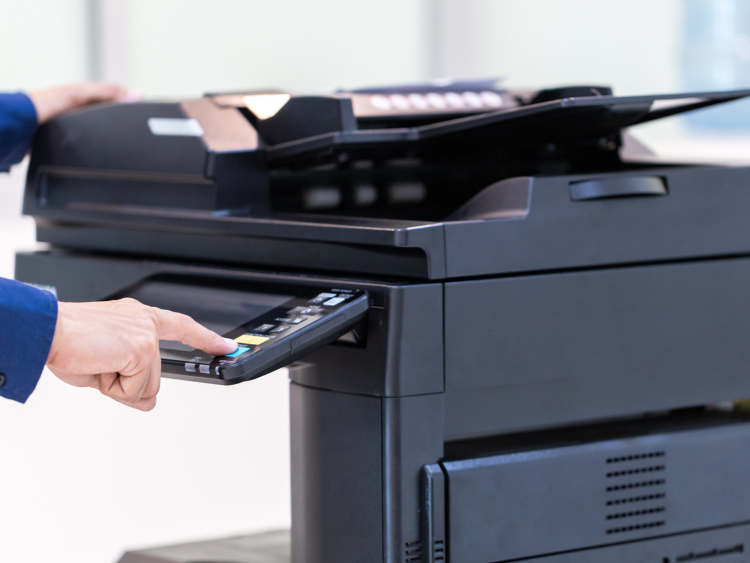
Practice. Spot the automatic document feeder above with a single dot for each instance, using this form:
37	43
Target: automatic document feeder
520	341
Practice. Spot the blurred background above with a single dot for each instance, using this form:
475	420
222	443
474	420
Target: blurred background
83	478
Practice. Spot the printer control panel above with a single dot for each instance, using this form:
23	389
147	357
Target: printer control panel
275	338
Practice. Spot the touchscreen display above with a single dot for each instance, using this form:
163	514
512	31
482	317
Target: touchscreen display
219	309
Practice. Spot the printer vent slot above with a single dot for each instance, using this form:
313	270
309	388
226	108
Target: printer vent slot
626	486
628	500
635	471
439	548
636	527
635	513
635	457
413	552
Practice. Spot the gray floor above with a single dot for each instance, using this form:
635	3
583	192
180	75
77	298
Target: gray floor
270	547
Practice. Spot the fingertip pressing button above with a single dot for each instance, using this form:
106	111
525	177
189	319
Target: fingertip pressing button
237	352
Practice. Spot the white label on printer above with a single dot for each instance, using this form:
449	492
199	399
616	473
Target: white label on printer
173	126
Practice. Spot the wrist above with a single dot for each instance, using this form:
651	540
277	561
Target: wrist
62	309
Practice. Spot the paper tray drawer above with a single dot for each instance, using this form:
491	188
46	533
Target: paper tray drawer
533	503
595	344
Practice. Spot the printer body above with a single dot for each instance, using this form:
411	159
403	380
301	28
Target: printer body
557	337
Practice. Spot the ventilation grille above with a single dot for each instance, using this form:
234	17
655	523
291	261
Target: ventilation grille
413	552
636	498
439	551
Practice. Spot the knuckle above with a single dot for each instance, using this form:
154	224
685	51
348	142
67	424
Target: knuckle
150	346
130	396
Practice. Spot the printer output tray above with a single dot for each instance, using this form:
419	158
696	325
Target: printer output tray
525	224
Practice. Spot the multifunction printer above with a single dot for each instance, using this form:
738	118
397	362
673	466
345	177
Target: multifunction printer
510	336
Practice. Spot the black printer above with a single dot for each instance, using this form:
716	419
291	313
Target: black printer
554	343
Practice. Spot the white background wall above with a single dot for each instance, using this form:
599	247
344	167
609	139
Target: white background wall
633	45
82	478
42	42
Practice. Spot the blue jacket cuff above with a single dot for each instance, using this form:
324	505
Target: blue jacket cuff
28	317
18	123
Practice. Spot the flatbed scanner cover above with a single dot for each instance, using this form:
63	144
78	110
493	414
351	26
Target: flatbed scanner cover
397	180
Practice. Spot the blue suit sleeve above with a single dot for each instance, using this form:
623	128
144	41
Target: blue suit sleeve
18	123
27	324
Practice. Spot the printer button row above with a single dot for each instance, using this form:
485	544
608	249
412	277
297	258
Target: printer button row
190	367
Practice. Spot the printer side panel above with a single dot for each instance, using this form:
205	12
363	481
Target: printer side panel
356	470
337	487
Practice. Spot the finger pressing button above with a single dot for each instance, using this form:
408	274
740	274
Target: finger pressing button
240	350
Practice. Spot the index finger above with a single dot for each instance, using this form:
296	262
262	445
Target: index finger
179	327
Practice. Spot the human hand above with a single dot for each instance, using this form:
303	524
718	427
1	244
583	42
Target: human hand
55	101
113	346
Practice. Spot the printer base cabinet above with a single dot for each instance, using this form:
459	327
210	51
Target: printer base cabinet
372	481
673	493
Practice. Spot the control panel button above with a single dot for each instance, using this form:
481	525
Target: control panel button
240	350
472	99
399	101
190	367
291	320
491	99
455	100
313	310
280	329
335	301
250	339
436	100
321	297
205	369
419	101
380	102
263	328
